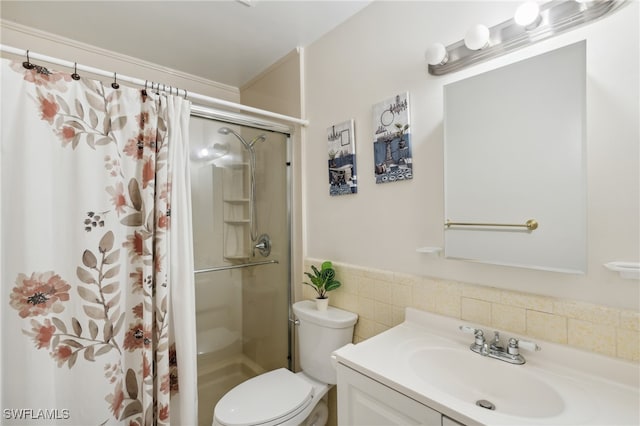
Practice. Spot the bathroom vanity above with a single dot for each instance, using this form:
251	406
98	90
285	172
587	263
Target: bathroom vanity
423	372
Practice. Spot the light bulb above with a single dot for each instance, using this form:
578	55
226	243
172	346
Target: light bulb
477	37
436	54
528	15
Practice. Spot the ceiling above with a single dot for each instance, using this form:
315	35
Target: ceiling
228	41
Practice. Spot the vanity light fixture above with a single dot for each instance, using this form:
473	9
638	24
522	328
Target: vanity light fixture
477	37
533	22
436	54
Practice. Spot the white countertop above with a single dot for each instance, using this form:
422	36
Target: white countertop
583	388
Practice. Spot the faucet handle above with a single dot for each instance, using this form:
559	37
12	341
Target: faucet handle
515	344
478	333
469	329
528	345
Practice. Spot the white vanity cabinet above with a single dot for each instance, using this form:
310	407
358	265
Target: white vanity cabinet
363	401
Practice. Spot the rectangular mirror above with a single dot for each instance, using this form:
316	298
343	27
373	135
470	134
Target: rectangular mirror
515	151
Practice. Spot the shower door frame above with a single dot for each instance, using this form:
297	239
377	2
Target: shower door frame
257	123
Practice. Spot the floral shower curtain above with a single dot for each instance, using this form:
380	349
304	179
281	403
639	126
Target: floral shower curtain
96	304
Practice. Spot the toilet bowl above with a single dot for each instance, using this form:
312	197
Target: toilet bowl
278	397
281	397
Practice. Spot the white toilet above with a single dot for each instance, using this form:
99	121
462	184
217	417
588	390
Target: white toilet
281	397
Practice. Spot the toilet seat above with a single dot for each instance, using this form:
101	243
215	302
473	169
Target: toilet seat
270	398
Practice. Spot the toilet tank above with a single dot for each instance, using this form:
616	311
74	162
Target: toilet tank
319	334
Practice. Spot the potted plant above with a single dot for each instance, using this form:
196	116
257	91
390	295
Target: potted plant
323	281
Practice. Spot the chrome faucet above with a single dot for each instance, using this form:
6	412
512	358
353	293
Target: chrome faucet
495	349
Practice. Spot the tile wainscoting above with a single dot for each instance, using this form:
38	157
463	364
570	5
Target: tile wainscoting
380	298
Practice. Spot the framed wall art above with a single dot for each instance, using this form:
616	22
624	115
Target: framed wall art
392	140
341	146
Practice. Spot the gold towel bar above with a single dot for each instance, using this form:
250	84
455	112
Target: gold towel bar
530	224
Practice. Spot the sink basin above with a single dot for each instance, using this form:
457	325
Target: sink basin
471	378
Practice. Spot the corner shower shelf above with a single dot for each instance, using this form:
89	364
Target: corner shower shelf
236	212
627	270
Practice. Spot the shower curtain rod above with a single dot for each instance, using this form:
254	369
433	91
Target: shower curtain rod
149	84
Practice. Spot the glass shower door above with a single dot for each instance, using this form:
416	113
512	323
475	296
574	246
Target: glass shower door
242	294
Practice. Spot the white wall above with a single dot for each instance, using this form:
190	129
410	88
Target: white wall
380	52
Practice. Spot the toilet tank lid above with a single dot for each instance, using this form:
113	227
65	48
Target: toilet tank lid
306	310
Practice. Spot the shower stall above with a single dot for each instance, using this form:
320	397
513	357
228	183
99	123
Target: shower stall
240	186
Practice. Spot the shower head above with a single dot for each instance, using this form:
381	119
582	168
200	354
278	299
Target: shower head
226	131
261	137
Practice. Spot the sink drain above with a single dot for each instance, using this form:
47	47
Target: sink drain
485	404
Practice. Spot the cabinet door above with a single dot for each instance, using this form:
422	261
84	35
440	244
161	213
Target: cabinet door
365	402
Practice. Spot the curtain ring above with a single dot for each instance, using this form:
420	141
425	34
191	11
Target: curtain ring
115	84
75	74
27	64
185	94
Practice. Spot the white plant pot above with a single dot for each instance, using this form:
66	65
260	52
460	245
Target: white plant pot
322	304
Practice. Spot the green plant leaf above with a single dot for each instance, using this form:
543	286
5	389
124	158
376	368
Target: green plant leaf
332	285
